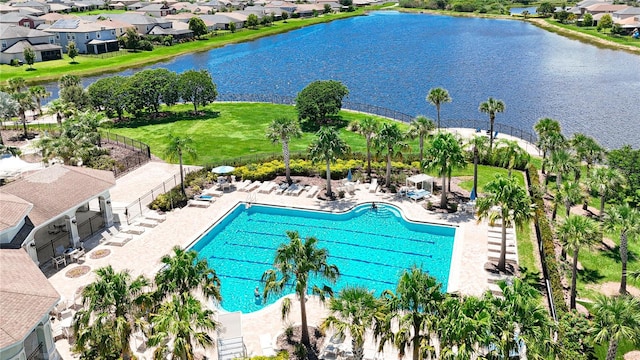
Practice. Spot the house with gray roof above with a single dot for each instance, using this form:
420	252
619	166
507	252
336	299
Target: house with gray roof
44	7
142	23
221	21
23	20
158	10
14	39
89	37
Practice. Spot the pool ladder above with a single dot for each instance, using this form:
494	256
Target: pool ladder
250	199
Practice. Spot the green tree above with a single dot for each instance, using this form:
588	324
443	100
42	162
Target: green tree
514	206
29	56
443	155
176	149
9	108
575	233
546	129
25	103
510	155
605	181
198	27
16	85
318	101
465	326
626	220
197	87
252	21
327	9
390	141
368	127
421	127
150	88
587	19
616	318
479	148
72	51
110	94
546	9
284	15
77	141
232	27
75	97
282	130
39	93
416	305
354	312
567	195
57	107
132	39
562	162
68	80
627	161
575	336
295	263
327	147
437	97
606	22
491	107
587	149
110	308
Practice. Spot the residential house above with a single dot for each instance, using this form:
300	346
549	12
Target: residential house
52	17
26	299
179	30
142	23
60	8
221	21
40	6
28	21
308	10
5	9
89	37
215	4
14	39
158	10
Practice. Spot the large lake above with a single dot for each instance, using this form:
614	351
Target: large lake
390	59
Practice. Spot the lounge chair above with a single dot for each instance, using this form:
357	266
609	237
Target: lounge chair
282	188
136	230
212	192
265	344
240	186
294	190
152	215
252	186
199	203
374	185
209	198
147	223
311	192
267	187
118	240
416	195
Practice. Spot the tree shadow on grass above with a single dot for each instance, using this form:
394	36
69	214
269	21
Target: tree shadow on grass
167	118
590	275
614	254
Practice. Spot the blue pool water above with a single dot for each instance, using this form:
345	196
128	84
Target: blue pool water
369	247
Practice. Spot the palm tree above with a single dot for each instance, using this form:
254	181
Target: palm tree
554	142
8	109
183	320
282	130
437	97
562	162
295	263
513	203
576	232
444	154
464	327
57	107
605	181
616	318
177	147
183	274
353	311
421	127
390	141
25	102
16	85
327	147
626	220
510	154
568	195
479	146
491	107
69	81
39	93
103	327
369	128
416	305
545	127
587	149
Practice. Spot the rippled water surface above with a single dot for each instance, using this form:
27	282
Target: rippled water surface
391	60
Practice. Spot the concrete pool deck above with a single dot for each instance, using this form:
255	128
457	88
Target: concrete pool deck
183	226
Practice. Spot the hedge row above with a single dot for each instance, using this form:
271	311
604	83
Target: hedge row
545	235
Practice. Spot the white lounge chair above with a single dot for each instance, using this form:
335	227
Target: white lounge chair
282	188
213	192
311	192
374	185
152	215
241	185
147	223
254	185
267	187
265	344
118	240
135	230
199	203
294	190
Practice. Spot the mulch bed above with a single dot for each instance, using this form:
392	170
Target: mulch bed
316	337
99	254
78	271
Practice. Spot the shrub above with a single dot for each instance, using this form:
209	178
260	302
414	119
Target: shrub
453	207
146	45
169	200
15	62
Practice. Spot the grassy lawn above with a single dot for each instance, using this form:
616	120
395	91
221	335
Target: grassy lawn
485	174
593	32
99	12
89	65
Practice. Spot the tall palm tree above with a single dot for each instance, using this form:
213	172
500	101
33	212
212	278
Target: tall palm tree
575	233
8	109
479	147
282	130
390	140
57	107
39	93
616	318
416	304
368	127
562	162
25	102
184	321
509	154
111	304
444	154
545	127
553	142
176	149
421	127
514	206
626	220
16	85
295	263
353	311
605	181
437	97
327	147
587	149
491	107
568	195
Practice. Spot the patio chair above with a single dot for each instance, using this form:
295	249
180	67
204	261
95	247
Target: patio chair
59	260
199	203
374	185
80	252
147	223
311	192
136	230
294	190
118	239
240	186
252	186
152	215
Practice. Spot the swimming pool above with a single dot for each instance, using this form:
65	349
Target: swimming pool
370	247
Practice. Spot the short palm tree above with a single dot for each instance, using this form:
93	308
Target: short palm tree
587	149
443	154
39	93
437	97
25	102
605	181
16	85
183	322
514	206
327	147
416	304
491	107
57	107
282	130
562	162
368	127
390	141
111	307
354	311
69	81
509	154
568	195
545	127
177	148
616	318
8	108
479	147
553	142
421	127
626	220
294	263
575	233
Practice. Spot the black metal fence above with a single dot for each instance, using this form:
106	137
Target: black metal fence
140	156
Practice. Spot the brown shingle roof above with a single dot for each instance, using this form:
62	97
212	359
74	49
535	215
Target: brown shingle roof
13	210
59	188
25	296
